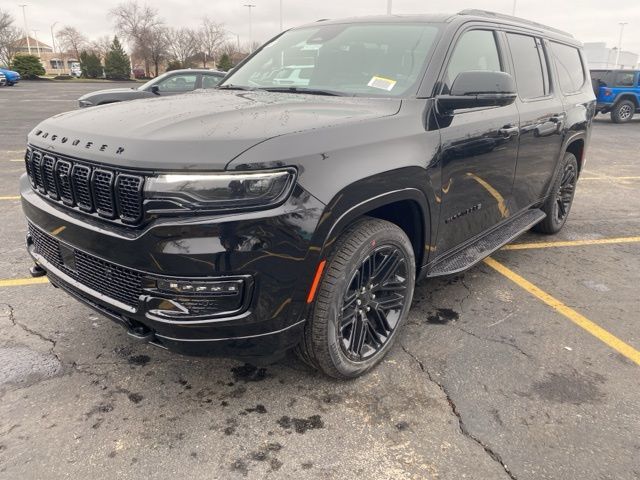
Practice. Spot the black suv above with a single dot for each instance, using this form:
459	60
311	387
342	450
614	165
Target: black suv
254	218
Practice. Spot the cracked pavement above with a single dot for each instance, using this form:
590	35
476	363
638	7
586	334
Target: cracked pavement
484	382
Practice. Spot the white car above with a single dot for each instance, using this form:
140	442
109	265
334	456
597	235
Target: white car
295	76
3	80
75	70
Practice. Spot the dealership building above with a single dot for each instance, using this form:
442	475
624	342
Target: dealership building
599	57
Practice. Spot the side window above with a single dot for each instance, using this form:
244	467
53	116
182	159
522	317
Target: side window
571	73
210	81
178	83
625	79
475	50
532	77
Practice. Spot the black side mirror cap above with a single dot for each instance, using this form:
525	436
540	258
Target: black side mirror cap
478	88
155	89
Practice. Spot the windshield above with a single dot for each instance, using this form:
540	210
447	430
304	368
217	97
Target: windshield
349	59
153	81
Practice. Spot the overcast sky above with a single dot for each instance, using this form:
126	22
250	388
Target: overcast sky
588	20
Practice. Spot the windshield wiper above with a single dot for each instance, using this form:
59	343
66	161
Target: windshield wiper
234	87
308	91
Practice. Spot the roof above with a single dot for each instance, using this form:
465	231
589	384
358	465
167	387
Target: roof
22	42
469	14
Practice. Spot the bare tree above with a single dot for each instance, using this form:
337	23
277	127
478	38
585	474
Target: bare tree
158	46
183	45
9	38
211	37
71	40
135	23
101	46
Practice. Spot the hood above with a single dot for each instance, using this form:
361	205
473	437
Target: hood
203	130
110	90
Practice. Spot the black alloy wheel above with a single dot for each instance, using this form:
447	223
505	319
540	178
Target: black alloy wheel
362	300
373	303
558	204
564	195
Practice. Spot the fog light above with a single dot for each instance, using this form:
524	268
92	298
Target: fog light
186	287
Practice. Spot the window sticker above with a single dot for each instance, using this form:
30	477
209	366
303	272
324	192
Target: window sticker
382	83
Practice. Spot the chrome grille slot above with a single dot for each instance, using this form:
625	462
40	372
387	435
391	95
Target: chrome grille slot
48	176
63	177
102	183
36	167
81	181
129	195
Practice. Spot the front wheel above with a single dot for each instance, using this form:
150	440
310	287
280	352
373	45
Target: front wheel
558	204
623	111
362	300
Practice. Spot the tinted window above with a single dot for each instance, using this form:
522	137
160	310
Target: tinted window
210	81
178	83
476	50
625	79
530	66
569	66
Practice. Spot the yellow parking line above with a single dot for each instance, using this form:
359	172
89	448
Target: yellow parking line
18	282
10	197
580	320
571	243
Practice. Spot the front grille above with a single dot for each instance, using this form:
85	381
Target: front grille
108	193
114	281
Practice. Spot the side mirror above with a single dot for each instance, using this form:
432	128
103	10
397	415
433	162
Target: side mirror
478	88
155	89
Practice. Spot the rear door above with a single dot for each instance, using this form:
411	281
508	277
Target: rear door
542	118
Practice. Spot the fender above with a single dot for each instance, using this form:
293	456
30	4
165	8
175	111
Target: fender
634	97
364	196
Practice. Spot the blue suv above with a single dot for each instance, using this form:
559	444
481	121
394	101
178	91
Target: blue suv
618	92
12	77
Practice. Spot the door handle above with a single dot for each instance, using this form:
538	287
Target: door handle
508	130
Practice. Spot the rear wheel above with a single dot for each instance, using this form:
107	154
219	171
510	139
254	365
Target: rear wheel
623	111
362	300
558	204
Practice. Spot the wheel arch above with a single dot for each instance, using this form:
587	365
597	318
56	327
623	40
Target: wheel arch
627	96
407	208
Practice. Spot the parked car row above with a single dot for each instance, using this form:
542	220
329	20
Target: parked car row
8	77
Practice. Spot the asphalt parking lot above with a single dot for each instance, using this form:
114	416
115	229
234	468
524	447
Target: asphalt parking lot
525	367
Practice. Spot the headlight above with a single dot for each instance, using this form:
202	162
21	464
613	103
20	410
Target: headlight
221	191
85	103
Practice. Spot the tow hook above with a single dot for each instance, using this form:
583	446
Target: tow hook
141	333
37	271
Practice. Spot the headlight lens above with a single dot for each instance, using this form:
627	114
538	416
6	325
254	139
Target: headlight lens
85	103
222	190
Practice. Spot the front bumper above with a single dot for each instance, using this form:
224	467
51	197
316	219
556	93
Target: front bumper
266	253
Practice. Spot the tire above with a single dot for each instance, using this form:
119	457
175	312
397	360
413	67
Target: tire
558	204
623	111
369	245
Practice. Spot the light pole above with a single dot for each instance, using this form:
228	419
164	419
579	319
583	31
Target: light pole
513	10
26	28
250	6
237	38
389	5
53	47
622	24
35	35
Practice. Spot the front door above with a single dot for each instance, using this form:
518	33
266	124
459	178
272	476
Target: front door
479	150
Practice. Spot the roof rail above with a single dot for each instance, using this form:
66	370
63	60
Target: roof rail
489	14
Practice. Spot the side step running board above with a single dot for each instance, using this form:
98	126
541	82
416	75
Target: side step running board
486	245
